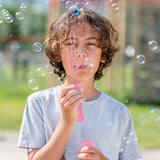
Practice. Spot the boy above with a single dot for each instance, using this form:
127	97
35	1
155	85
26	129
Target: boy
49	128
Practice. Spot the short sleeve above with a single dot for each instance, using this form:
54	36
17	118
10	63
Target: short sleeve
32	133
129	148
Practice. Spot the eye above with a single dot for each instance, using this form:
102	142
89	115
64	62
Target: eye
90	44
69	44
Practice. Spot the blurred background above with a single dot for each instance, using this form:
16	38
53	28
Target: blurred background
133	78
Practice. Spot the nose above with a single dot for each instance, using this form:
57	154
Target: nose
81	52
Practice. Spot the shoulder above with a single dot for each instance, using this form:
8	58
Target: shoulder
114	105
44	95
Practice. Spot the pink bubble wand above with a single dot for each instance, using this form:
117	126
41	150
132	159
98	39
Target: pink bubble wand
80	118
76	85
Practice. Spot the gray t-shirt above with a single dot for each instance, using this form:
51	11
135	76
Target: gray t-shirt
107	122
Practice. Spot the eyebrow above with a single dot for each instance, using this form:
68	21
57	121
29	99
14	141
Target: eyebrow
72	38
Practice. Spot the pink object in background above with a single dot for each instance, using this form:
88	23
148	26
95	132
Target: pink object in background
80	110
87	143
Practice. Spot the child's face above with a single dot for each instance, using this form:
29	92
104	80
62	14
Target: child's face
86	44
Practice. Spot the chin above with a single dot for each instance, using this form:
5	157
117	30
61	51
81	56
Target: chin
83	78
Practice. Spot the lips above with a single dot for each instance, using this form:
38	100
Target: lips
81	66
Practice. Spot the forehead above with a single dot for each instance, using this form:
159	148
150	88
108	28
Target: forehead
83	30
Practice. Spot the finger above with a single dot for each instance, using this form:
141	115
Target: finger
74	100
88	149
71	93
70	96
65	90
88	156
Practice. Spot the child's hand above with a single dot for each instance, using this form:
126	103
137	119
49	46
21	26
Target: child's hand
69	100
91	153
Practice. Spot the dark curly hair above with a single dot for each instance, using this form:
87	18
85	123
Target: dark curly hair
59	30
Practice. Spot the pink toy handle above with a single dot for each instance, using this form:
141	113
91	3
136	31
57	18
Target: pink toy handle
87	143
80	110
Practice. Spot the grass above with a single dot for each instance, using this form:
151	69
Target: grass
146	128
13	95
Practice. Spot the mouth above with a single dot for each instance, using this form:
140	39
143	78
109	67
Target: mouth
81	66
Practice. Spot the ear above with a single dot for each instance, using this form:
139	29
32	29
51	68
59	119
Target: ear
102	61
58	59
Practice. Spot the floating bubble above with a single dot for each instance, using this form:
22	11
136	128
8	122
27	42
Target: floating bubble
153	45
115	6
69	4
121	150
109	1
142	119
129	51
19	16
132	136
125	140
41	72
4	12
88	62
74	10
155	114
1	21
140	59
9	18
126	101
86	2
33	84
79	5
49	69
37	47
23	7
60	79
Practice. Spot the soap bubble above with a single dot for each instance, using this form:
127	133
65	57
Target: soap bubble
88	62
33	84
9	18
23	7
109	1
121	150
60	79
125	140
19	16
155	114
140	59
4	12
49	69
115	6
37	47
74	10
1	21
142	119
132	136
129	51
69	4
86	2
41	72
153	45
79	5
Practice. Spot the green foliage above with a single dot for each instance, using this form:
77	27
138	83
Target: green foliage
148	131
33	24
